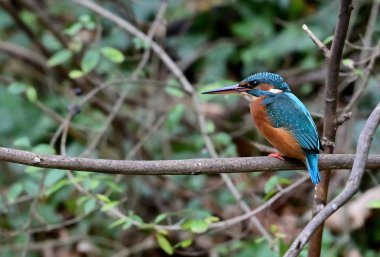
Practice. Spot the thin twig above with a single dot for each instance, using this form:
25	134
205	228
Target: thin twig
366	48
151	131
23	54
151	33
321	46
119	102
115	109
235	220
363	82
330	114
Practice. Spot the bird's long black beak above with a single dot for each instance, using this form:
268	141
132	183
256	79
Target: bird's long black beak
235	89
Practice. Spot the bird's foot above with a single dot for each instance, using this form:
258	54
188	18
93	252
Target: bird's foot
277	155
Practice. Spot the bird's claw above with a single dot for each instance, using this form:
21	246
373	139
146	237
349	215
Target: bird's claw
277	155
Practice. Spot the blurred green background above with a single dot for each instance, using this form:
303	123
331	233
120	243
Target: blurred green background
74	83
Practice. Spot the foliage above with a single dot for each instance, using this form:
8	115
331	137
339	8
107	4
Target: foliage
59	98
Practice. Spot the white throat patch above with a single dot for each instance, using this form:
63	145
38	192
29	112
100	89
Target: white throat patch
275	91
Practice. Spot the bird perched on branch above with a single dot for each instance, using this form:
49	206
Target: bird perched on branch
281	117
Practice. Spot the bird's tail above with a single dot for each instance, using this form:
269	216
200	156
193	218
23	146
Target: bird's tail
312	166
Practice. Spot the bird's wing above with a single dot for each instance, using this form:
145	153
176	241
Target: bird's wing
287	111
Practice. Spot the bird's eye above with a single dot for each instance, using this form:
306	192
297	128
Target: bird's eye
253	83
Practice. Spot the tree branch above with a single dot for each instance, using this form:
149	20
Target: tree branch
349	190
330	121
321	46
177	167
23	54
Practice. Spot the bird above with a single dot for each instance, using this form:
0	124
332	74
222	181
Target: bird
281	117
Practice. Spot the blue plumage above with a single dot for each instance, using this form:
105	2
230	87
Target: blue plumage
312	166
287	111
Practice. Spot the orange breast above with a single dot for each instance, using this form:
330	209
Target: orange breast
280	138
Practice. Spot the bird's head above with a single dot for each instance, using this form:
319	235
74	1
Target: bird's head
257	85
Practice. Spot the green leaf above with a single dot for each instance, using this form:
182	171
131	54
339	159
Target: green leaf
117	223
31	188
374	204
196	225
114	187
14	191
211	219
162	231
91	183
83	199
127	224
53	177
29	18
274	181
90	60
359	72
135	218
43	149
186	243
49	213
174	91
349	63
210	126
56	187
160	217
94	184
84	18
175	116
74	74
221	139
17	88
76	46
164	243
87	22
73	29
328	40
109	205
59	57
112	54
271	184
89	205
140	43
22	142
103	198
273	228
31	94
269	194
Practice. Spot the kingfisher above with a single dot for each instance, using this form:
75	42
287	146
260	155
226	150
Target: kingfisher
281	117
